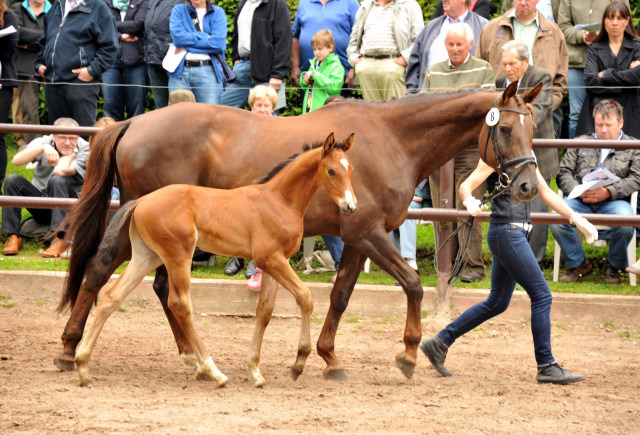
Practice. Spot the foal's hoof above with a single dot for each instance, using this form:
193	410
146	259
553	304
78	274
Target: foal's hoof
202	376
336	375
65	363
87	383
405	367
295	373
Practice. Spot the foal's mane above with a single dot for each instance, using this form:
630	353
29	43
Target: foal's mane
284	163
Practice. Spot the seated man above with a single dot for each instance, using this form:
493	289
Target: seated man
61	164
611	199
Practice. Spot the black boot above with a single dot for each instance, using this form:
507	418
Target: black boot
436	351
234	266
251	269
554	374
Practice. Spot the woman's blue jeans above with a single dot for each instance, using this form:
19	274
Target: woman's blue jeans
201	80
513	262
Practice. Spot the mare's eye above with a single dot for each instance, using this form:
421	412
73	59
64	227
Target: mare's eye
505	130
331	172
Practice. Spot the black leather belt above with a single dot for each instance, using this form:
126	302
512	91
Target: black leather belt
381	56
245	58
197	62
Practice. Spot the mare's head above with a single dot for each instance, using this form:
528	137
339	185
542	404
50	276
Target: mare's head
506	139
335	173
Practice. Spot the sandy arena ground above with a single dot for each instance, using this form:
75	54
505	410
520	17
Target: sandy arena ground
141	385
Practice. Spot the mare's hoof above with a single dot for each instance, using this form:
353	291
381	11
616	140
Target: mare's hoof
405	367
202	376
336	375
295	373
65	363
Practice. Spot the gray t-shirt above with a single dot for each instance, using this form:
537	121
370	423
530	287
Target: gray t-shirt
44	170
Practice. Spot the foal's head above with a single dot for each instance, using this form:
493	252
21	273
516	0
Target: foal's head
506	145
335	173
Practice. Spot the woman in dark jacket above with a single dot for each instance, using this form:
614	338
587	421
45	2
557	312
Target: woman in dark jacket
611	70
130	68
8	75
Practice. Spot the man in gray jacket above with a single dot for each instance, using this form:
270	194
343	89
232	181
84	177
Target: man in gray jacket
429	47
609	199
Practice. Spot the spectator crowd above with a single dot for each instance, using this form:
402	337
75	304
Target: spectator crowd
585	53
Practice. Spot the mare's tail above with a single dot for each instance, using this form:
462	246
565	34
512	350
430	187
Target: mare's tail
108	249
87	219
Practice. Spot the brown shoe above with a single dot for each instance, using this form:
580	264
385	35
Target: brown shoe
611	275
57	247
12	246
573	275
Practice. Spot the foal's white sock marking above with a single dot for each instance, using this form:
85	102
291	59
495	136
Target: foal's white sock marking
345	163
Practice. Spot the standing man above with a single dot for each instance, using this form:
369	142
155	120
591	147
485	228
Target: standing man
381	42
516	67
260	49
429	47
546	43
461	71
611	199
61	163
30	14
79	42
314	15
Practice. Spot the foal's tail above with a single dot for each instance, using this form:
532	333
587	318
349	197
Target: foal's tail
108	249
86	220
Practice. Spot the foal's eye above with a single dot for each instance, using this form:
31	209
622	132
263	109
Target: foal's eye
331	172
505	130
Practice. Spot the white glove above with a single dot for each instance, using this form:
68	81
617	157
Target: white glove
474	206
585	227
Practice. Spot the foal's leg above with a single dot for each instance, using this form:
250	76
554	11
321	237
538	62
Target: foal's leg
281	271
142	263
179	303
266	303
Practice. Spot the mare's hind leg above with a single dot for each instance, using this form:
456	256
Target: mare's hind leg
161	287
266	303
278	267
179	303
97	274
143	262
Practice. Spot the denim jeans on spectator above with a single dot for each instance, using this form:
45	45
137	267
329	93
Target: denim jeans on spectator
159	82
17	185
335	246
513	262
405	236
577	94
201	80
133	96
78	100
567	238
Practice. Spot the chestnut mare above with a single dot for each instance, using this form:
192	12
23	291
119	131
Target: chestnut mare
259	221
400	143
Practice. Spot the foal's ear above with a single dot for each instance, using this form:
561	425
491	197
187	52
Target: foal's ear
348	143
329	144
530	95
511	90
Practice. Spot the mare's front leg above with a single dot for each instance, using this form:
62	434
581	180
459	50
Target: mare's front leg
264	310
350	266
278	267
97	274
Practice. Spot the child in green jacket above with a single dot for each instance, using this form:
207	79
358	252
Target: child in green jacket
326	74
